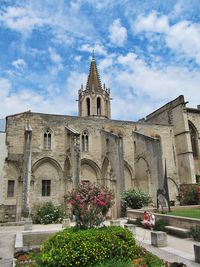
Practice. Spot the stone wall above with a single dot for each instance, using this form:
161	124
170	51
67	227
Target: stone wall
175	113
3	155
111	158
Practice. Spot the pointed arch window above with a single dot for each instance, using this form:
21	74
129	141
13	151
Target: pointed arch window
194	139
85	141
98	106
47	140
10	188
88	106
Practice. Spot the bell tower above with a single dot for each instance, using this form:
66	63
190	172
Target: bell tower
94	101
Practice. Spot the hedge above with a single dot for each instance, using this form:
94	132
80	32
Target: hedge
73	247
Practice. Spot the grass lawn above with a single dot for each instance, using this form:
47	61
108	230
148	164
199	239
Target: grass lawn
191	213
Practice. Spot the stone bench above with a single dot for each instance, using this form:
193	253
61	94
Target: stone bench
181	232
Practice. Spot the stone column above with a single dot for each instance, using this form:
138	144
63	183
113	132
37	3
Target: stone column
26	172
120	171
77	163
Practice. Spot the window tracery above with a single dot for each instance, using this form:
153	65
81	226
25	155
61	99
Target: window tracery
85	141
47	140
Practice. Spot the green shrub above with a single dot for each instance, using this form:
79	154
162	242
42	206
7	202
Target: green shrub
136	199
116	263
188	194
90	203
73	247
195	233
160	225
48	213
138	222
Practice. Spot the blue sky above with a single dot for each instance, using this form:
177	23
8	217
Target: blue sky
147	52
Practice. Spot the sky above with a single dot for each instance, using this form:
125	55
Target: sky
147	53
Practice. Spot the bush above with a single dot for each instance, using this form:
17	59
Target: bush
136	199
48	213
90	203
188	194
195	233
73	247
116	263
160	225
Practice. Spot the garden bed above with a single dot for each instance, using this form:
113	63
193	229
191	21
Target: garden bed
144	259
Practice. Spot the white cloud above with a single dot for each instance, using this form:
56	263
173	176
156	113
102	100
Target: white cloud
178	8
55	57
182	37
98	49
157	83
5	87
77	58
73	84
54	70
152	23
105	63
117	33
19	64
57	60
20	19
64	21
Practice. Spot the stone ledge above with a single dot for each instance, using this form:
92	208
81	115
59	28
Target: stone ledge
181	232
18	241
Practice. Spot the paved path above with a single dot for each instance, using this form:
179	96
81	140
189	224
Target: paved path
6	249
178	249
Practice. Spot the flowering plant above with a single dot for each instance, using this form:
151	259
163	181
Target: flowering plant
90	204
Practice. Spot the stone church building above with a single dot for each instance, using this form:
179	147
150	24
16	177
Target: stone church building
43	155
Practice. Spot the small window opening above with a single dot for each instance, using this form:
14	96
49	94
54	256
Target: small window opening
98	106
88	106
10	189
46	188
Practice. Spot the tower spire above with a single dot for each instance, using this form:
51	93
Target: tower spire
93	81
95	99
93	59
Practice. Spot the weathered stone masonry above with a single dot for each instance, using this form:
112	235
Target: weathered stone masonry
47	155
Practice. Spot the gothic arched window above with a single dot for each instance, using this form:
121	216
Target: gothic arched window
194	139
85	141
47	140
98	106
88	106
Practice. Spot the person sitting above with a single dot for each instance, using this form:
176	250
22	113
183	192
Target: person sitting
148	220
152	220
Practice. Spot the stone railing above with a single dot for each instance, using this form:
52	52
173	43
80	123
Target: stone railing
182	222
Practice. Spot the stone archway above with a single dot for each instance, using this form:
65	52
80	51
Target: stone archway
89	171
47	169
128	176
142	174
